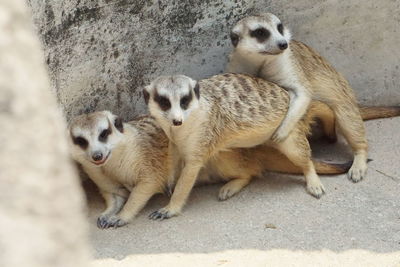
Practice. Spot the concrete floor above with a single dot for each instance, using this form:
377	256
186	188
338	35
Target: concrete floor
273	222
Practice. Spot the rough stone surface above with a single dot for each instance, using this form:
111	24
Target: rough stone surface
101	53
41	203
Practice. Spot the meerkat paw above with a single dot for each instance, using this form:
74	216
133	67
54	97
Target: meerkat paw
316	189
280	135
114	221
231	188
357	171
163	213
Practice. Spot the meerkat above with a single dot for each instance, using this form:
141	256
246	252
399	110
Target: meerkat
121	162
219	113
263	47
129	163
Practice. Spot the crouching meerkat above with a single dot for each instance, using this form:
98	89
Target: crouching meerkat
129	163
223	112
263	48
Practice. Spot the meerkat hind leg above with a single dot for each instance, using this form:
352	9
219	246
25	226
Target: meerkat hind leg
328	121
351	126
236	166
297	150
232	187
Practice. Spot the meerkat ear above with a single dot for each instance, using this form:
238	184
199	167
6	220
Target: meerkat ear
234	39
146	95
114	119
196	87
118	124
197	90
287	33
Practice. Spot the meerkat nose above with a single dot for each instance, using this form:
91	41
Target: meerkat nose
177	122
97	156
283	45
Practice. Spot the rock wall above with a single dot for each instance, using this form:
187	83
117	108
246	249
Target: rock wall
41	203
101	53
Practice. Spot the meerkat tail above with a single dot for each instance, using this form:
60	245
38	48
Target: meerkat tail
371	113
321	167
272	160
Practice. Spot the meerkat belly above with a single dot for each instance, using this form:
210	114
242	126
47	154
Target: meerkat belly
250	138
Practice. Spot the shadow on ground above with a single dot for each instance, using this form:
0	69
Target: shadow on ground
275	212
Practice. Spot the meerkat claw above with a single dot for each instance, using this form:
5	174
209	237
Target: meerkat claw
108	222
161	214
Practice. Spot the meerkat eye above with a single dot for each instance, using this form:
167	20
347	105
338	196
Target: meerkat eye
162	101
185	101
104	134
280	28
80	141
261	34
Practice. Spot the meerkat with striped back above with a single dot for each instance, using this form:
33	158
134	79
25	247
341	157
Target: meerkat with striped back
223	112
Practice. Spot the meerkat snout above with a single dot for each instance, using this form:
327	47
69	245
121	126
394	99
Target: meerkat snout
283	45
177	122
97	156
172	99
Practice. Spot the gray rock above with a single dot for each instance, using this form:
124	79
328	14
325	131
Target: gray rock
101	53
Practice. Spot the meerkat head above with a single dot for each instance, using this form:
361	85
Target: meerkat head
93	136
172	98
263	34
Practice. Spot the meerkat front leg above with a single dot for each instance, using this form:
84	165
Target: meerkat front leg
138	198
114	204
114	193
299	101
174	166
182	190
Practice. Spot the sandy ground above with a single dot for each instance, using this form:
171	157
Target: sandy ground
273	221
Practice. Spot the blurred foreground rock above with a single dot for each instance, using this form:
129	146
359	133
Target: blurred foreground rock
41	202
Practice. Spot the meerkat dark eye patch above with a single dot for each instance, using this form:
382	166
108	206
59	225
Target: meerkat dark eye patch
104	134
234	39
80	141
185	101
261	34
162	101
280	28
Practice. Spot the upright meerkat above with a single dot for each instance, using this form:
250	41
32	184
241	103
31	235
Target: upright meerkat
129	163
263	48
226	111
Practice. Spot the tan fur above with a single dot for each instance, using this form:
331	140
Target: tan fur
306	75
233	111
325	115
133	172
371	113
139	164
